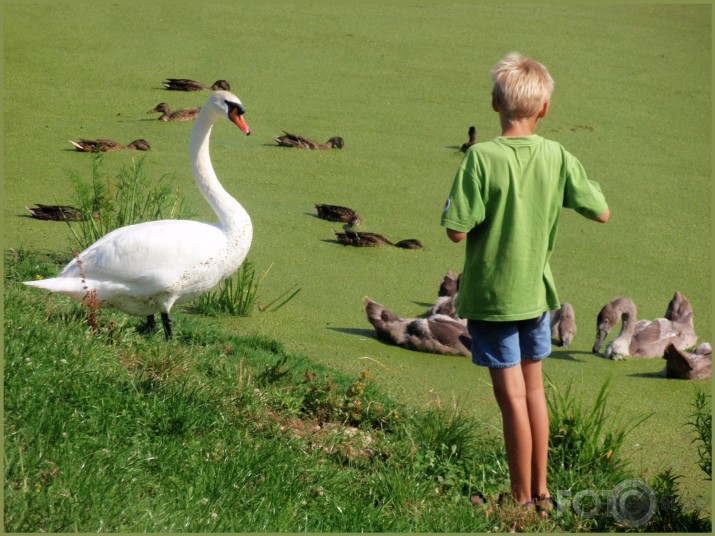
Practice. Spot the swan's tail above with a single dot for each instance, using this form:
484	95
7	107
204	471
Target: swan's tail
68	286
388	326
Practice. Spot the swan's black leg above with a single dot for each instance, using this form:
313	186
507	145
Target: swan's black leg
149	326
166	321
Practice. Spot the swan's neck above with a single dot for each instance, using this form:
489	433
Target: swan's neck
628	317
232	216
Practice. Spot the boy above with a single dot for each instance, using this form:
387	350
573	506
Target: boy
506	200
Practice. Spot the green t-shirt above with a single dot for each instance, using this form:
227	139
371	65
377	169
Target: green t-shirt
507	195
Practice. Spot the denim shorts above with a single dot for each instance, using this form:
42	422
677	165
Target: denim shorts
505	344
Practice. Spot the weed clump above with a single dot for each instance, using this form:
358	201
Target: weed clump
108	203
237	295
702	421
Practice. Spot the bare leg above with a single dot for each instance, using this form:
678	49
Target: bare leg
539	422
510	393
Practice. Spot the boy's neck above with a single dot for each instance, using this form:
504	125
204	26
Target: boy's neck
511	128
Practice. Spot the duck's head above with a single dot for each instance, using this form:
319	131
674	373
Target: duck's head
161	107
226	104
410	243
140	145
221	85
336	142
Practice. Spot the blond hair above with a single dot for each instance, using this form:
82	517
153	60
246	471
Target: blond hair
521	86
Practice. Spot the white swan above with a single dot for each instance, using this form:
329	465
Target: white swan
148	267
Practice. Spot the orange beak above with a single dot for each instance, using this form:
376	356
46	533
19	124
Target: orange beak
237	118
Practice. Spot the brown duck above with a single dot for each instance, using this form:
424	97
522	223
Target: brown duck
182	114
337	213
184	84
105	146
472	139
364	239
300	142
55	212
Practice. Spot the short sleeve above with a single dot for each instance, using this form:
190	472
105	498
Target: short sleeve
464	208
580	193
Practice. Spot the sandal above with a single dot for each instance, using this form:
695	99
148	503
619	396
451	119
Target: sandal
507	499
545	505
477	498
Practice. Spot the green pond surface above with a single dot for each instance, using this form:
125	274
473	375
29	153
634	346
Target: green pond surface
401	85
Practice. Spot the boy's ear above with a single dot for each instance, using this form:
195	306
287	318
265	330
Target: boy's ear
495	106
544	109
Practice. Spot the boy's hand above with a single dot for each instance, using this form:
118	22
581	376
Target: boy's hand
603	218
456	236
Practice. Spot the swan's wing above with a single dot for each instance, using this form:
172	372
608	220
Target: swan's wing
438	334
653	338
450	332
162	249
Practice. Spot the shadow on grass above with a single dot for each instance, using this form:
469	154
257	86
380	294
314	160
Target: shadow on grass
360	332
660	374
568	355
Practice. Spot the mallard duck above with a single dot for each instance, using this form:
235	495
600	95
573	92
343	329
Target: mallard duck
105	146
645	338
293	140
438	334
685	365
147	268
366	239
338	213
183	114
472	139
55	212
184	84
563	324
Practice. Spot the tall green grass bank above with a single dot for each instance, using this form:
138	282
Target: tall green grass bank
402	85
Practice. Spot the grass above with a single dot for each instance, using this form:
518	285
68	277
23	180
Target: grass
584	434
702	423
237	295
401	86
128	197
110	430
